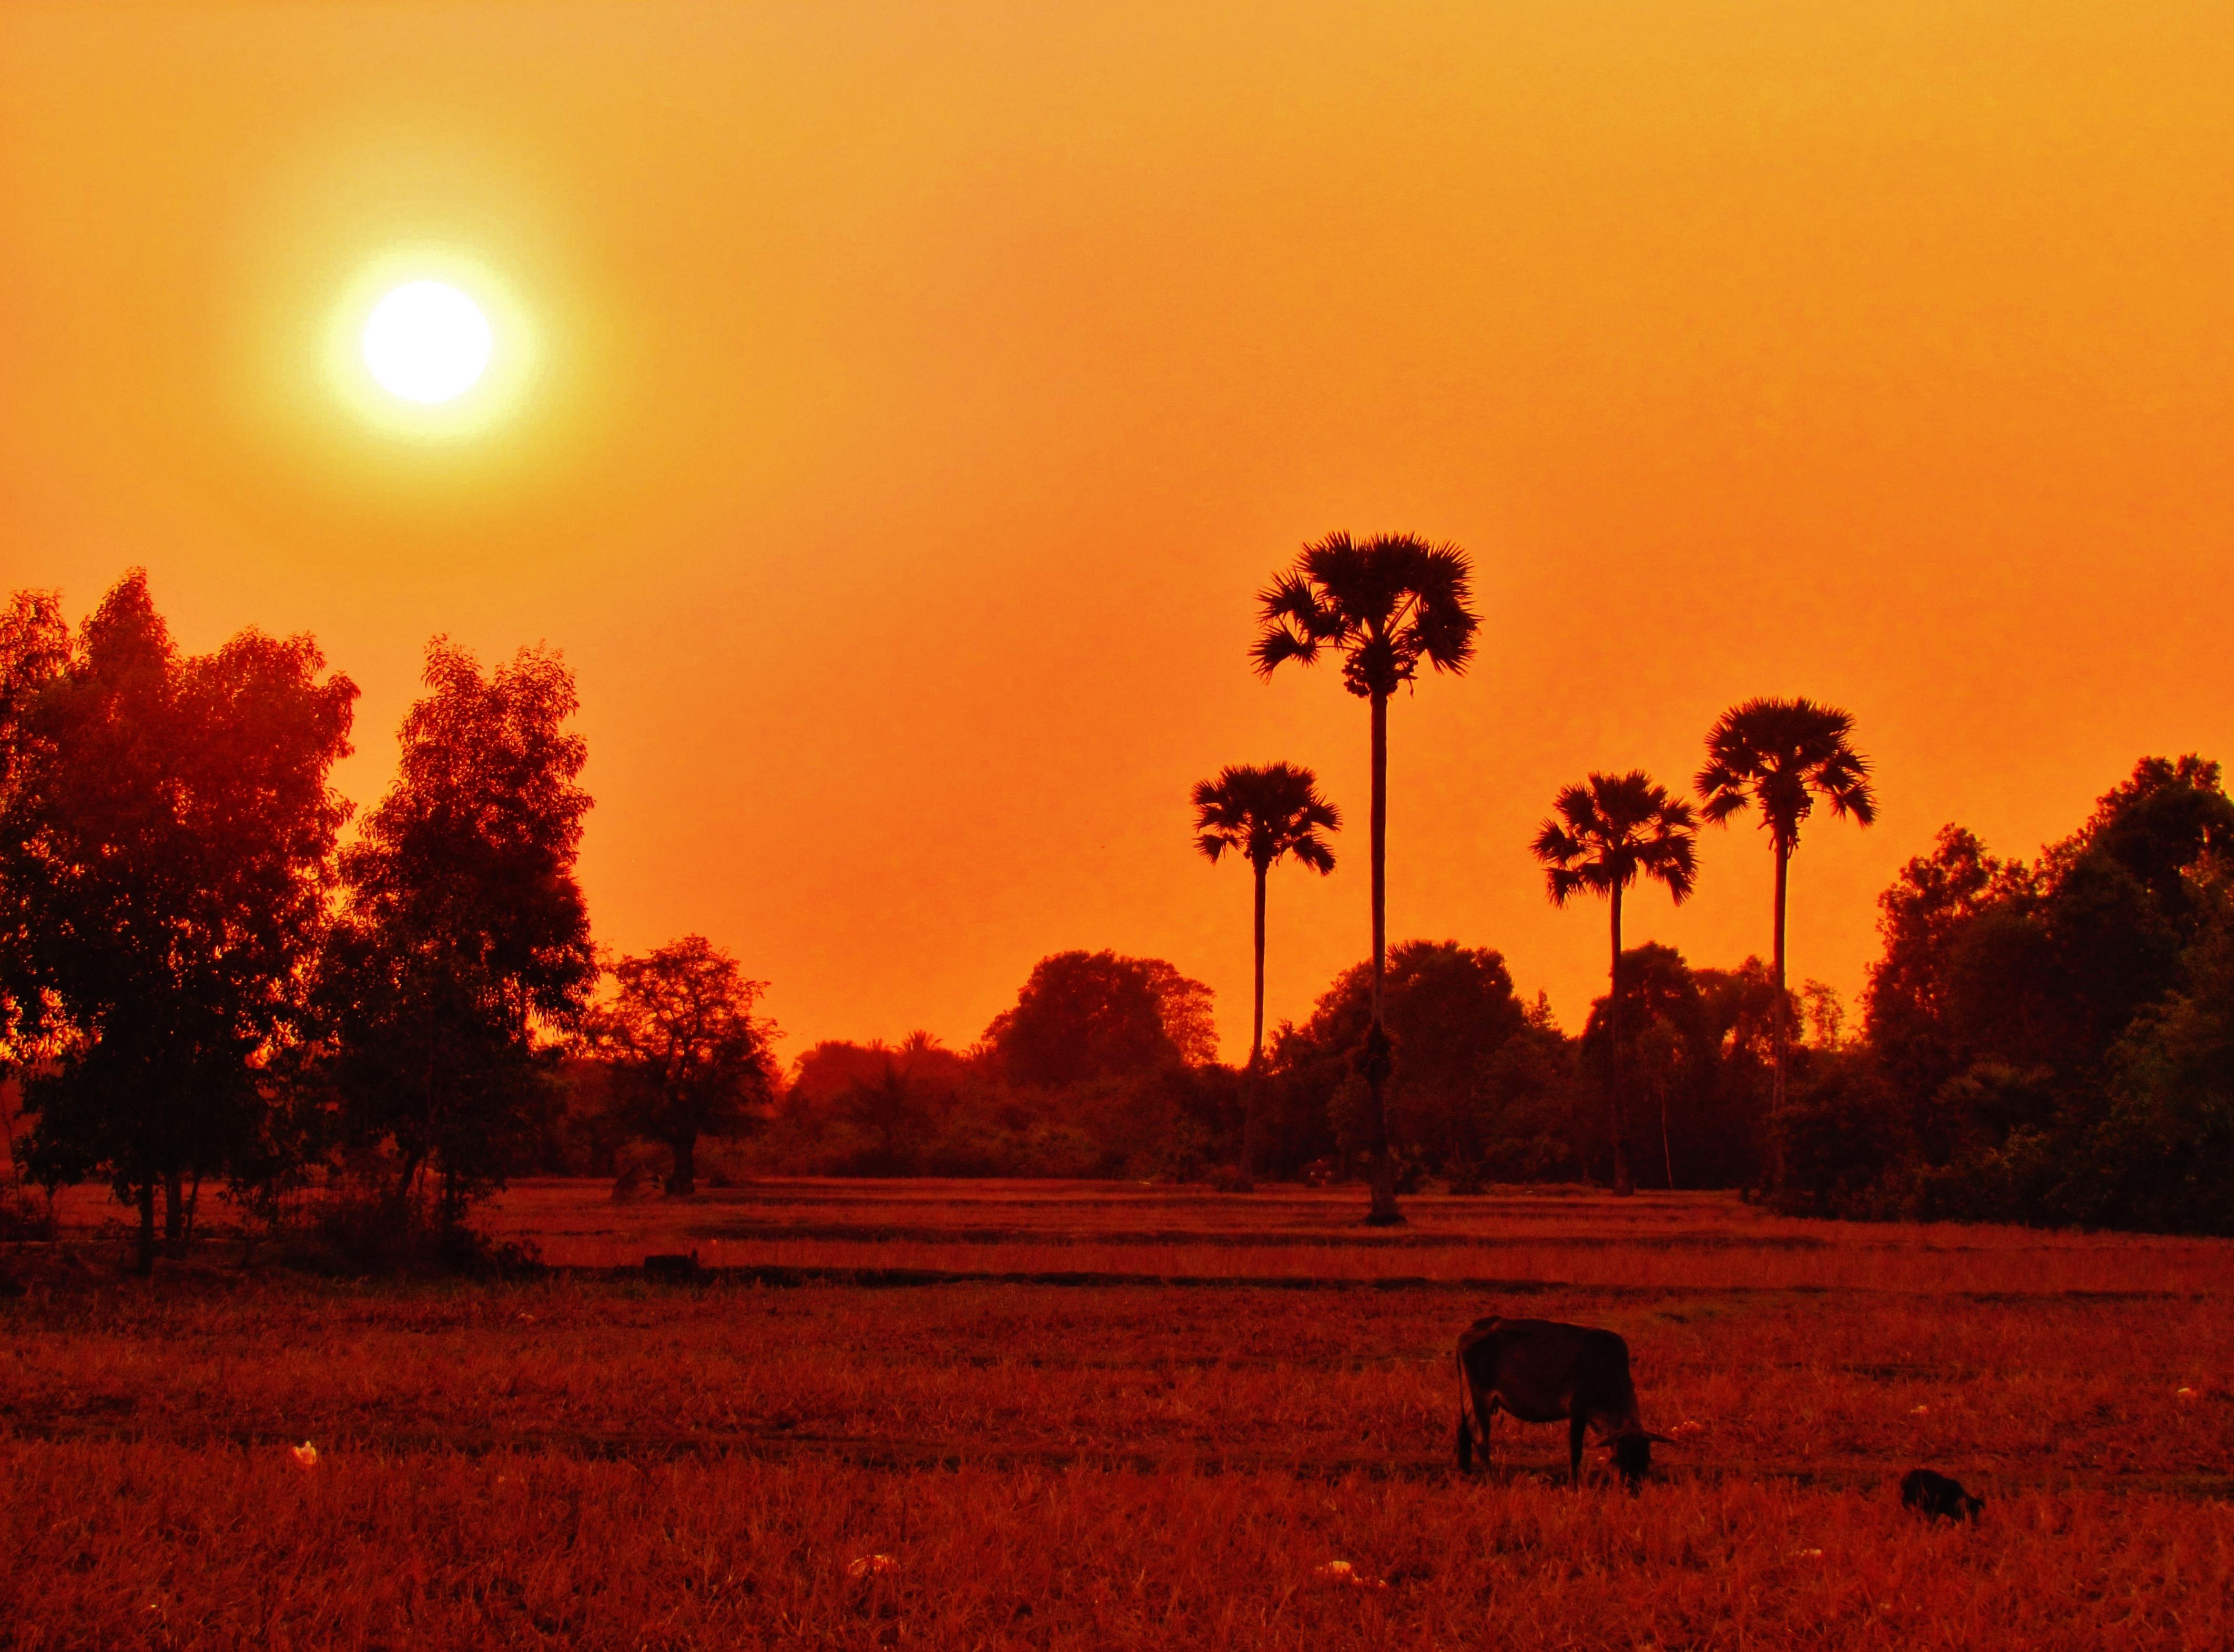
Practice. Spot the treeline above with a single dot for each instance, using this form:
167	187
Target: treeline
2048	1042
204	985
1102	1069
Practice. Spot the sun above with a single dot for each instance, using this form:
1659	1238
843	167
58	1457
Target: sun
427	341
431	346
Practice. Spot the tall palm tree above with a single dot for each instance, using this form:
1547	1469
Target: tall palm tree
1780	755
1601	836
1385	605
1263	813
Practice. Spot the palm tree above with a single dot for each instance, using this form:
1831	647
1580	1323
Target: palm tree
1385	605
1263	813
1781	755
1602	835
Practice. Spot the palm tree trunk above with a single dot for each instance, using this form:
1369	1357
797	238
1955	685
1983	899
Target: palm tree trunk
1247	1180
1622	1182
1384	1212
1777	1035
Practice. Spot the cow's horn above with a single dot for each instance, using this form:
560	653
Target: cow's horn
1664	1440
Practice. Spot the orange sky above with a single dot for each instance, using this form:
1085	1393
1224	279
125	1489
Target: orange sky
927	388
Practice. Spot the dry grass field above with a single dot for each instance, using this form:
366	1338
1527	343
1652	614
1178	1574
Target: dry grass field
1087	1416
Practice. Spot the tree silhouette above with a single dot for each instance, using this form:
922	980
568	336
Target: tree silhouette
1385	605
1458	1095
690	1055
34	649
1080	1017
1779	756
1603	834
162	886
464	933
1263	813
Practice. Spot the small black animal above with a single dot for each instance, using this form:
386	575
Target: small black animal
674	1269
1937	1497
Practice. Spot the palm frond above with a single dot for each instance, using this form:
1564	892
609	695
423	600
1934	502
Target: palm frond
1608	830
1265	812
1780	755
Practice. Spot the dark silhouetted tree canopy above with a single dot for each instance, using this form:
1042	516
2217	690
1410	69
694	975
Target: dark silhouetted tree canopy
2045	1042
463	931
689	1057
162	861
1451	1015
1087	1015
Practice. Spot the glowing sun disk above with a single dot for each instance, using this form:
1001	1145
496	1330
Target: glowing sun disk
427	341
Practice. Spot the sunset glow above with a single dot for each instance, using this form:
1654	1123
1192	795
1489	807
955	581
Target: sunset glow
838	398
427	341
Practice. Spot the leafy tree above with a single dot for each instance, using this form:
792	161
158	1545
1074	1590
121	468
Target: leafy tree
1667	1052
163	867
1780	756
901	1103
1458	1083
1909	1005
464	934
1725	1138
1263	813
2162	1156
1604	833
34	649
1385	605
689	1057
1087	1016
2040	1037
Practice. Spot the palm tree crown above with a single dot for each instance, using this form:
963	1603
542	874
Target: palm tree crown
1781	755
1263	813
1386	604
1607	831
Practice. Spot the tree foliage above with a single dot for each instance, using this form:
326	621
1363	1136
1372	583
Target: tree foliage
1085	1015
1469	1068
689	1057
2043	1041
463	945
163	863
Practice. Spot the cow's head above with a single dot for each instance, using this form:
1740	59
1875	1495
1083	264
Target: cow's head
1632	1454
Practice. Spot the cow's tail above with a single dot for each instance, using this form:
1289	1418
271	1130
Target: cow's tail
1466	1418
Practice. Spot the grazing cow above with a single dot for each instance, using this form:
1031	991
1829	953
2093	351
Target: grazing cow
1937	1498
1541	1371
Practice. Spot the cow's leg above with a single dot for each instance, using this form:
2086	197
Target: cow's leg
1465	1417
1575	1425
